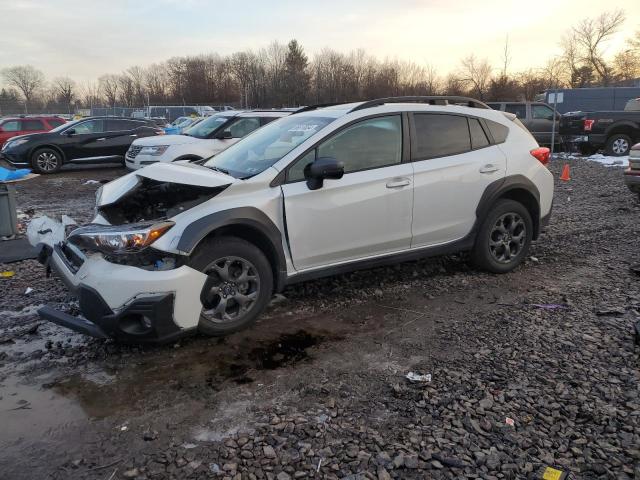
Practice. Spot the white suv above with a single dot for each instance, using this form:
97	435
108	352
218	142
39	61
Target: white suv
179	247
208	137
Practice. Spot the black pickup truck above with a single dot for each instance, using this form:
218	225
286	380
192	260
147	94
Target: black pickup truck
616	132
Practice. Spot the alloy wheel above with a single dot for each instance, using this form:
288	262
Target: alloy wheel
508	237
234	289
620	146
47	161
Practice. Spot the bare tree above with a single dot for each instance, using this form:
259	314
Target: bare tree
591	34
506	57
109	87
26	79
475	75
65	91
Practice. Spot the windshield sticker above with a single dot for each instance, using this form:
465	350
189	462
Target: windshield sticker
303	127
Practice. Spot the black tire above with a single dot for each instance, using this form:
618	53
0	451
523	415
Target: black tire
46	160
618	145
256	291
507	223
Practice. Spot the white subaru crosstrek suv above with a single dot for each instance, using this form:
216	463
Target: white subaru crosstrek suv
180	247
205	139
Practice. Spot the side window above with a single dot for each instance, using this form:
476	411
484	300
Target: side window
498	132
55	122
243	126
372	143
495	106
519	109
119	125
296	171
265	120
32	125
440	135
478	137
541	112
90	126
11	126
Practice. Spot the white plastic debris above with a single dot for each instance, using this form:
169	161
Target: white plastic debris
28	291
417	377
45	230
67	220
510	421
91	182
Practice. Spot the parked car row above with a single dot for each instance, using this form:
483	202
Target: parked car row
15	126
179	247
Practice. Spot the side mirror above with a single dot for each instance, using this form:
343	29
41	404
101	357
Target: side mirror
323	167
71	131
226	135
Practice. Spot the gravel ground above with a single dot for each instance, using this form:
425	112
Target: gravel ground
530	369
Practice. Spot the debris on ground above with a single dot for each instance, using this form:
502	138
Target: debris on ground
45	230
7	175
7	274
91	182
550	306
28	291
417	377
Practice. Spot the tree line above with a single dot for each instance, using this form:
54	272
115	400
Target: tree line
284	75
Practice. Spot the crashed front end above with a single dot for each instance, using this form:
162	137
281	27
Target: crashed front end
131	281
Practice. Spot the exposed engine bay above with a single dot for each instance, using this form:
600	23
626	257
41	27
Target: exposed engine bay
156	200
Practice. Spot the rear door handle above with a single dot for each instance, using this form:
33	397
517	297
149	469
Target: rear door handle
398	183
134	135
100	139
489	168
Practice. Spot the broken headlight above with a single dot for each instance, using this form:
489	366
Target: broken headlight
119	239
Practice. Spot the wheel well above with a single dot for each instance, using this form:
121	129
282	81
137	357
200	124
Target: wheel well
530	202
625	130
52	147
255	237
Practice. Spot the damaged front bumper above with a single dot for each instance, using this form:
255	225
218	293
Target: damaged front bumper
125	302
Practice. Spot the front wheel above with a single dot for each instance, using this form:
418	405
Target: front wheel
504	237
46	160
618	145
239	284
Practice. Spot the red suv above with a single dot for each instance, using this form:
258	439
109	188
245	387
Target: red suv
12	126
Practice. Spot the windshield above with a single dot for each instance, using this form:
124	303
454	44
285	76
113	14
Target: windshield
264	147
206	127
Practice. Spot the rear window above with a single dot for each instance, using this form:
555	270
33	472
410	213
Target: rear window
498	131
32	125
518	109
440	135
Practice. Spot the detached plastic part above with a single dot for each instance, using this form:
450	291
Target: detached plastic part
45	230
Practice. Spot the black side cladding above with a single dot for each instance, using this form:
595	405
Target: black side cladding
156	200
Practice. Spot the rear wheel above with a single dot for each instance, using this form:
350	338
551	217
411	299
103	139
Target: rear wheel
504	237
239	284
618	145
46	160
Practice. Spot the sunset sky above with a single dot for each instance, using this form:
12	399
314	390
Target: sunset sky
85	39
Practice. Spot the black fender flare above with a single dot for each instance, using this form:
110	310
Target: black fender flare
498	189
247	217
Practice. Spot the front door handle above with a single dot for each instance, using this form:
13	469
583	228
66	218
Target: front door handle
134	135
489	168
398	183
100	139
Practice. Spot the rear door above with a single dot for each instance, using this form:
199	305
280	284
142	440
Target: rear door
453	164
119	135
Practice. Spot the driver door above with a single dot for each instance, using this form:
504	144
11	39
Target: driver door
88	140
365	213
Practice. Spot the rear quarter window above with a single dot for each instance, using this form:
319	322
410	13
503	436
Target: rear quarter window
55	122
498	131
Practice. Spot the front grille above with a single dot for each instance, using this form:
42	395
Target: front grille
133	151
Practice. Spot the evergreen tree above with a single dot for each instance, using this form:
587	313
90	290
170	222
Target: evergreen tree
296	74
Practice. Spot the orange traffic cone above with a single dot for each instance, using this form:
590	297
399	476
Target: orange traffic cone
565	174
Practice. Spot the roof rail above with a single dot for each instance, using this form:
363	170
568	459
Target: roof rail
308	108
431	100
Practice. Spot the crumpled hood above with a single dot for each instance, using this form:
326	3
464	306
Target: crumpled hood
178	173
167	140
